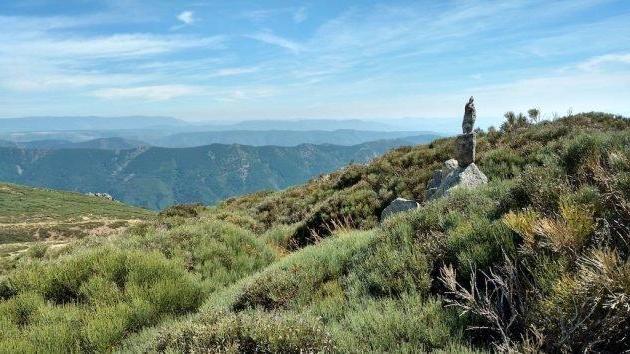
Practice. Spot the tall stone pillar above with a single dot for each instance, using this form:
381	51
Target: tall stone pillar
466	142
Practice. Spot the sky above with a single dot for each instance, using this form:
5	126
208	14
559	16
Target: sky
234	60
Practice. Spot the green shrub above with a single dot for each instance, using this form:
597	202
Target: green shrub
94	298
252	332
182	210
294	280
38	250
22	309
219	252
395	264
404	324
502	163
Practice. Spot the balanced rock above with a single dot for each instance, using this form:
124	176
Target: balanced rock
462	171
465	146
398	205
470	114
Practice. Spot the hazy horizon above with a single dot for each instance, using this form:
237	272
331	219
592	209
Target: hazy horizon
208	61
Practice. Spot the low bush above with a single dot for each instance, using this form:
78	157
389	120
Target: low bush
94	299
219	252
404	324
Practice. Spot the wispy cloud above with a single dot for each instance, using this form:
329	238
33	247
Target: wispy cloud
150	93
258	15
120	45
596	62
187	17
235	71
270	38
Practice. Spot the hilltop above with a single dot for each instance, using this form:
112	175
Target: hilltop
536	260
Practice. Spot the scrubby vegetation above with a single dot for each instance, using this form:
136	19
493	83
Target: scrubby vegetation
36	221
537	260
93	294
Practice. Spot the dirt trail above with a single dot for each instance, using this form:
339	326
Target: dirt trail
69	221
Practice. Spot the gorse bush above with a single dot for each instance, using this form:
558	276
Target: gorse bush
254	332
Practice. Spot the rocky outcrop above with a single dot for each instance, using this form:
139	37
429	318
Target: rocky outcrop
100	195
449	178
398	205
460	172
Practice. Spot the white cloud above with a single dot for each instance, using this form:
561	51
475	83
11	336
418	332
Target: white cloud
63	80
241	94
258	15
235	71
270	38
113	46
596	62
149	93
300	15
187	17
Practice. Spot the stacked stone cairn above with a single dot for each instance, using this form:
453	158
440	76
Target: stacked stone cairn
460	172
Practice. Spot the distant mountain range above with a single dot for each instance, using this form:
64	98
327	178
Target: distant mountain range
156	177
168	125
30	124
126	139
114	143
282	137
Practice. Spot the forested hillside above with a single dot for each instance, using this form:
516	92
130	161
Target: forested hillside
536	260
155	178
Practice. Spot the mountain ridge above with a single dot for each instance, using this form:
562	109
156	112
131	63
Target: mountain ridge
156	177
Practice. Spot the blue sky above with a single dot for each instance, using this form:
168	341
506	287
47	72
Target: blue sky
234	60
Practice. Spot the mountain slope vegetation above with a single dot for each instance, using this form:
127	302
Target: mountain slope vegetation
33	219
286	137
537	260
155	178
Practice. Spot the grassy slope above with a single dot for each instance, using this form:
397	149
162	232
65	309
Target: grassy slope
357	194
25	204
52	218
552	225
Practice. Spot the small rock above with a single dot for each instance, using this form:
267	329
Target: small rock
449	166
398	205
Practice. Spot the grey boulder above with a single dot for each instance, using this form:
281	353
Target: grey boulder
399	205
451	177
